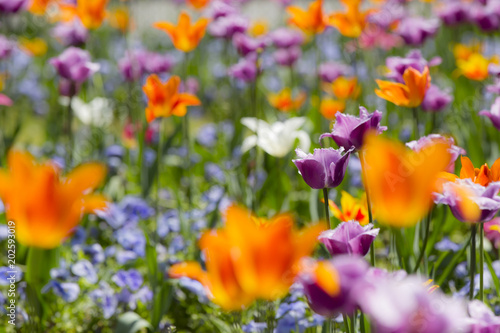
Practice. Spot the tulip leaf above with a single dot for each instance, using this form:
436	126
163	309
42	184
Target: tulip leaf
494	277
131	322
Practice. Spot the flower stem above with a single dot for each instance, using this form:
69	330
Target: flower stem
346	323
69	133
327	211
368	203
481	262
424	245
159	155
415	124
472	260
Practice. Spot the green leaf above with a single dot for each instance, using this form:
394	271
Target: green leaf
496	282
131	322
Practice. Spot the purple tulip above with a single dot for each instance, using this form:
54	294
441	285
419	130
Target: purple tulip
132	65
430	139
485	17
453	12
156	63
350	270
6	47
287	57
246	44
246	69
324	169
221	8
482	319
228	26
493	114
73	33
349	238
349	131
12	6
485	197
415	30
494	88
74	65
436	99
398	65
330	71
285	38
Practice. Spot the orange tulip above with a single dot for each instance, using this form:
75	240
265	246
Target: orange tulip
283	100
164	99
344	88
482	176
39	7
411	93
329	108
91	12
463	52
45	206
198	4
119	18
350	209
36	47
185	36
475	67
311	21
352	22
246	260
400	181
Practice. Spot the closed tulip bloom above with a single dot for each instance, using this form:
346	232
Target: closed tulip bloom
71	33
119	18
482	319
285	38
453	13
12	6
91	12
311	21
185	36
410	94
330	71
352	22
284	101
493	114
416	30
165	100
324	169
344	87
351	209
235	281
74	65
246	44
349	131
329	107
436	100
228	26
329	285
349	238
475	67
287	56
245	69
45	205
400	181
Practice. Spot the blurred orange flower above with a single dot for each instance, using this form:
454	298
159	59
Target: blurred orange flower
91	12
352	22
482	176
164	99
246	260
36	47
283	100
45	206
463	52
475	67
329	107
198	4
38	7
185	36
400	181
411	93
350	209
311	21
119	18
344	88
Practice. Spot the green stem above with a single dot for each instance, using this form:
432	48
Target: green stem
415	124
368	203
472	260
481	262
362	322
159	158
346	323
69	133
327	211
424	245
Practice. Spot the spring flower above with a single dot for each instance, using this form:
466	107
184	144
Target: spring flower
198	4
164	99
258	28
482	319
349	131
324	169
415	30
71	33
229	25
330	71
396	66
38	7
350	209
349	238
6	47
98	112
284	38
411	93
475	67
284	102
185	36
12	6
45	205
329	107
470	202
276	139
401	181
287	56
311	21
246	69
352	22
36	47
235	281
482	176
329	285
344	88
425	141
246	44
119	18
91	12
453	12
436	100
493	114
492	231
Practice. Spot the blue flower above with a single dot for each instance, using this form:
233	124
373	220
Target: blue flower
213	172
79	236
207	135
447	245
4	230
124	256
195	287
168	222
105	298
68	291
60	272
253	327
83	268
96	252
131	279
6	273
132	239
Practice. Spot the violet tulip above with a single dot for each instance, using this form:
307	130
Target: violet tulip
287	56
325	168
246	44
12	6
330	71
6	47
72	33
414	59
482	319
415	30
246	69
285	38
349	131
228	26
493	114
492	231
349	238
436	100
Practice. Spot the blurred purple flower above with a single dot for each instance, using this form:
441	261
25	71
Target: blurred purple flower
486	17
286	37
135	63
246	69
287	56
220	8
83	268
105	298
12	6
349	131
453	12
68	291
415	30
349	238
493	114
425	141
168	222
495	87
96	252
398	65
73	33
324	169
131	279
330	71
207	135
6	46
132	239
292	317
246	44
482	319
447	245
228	26
195	287
436	99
